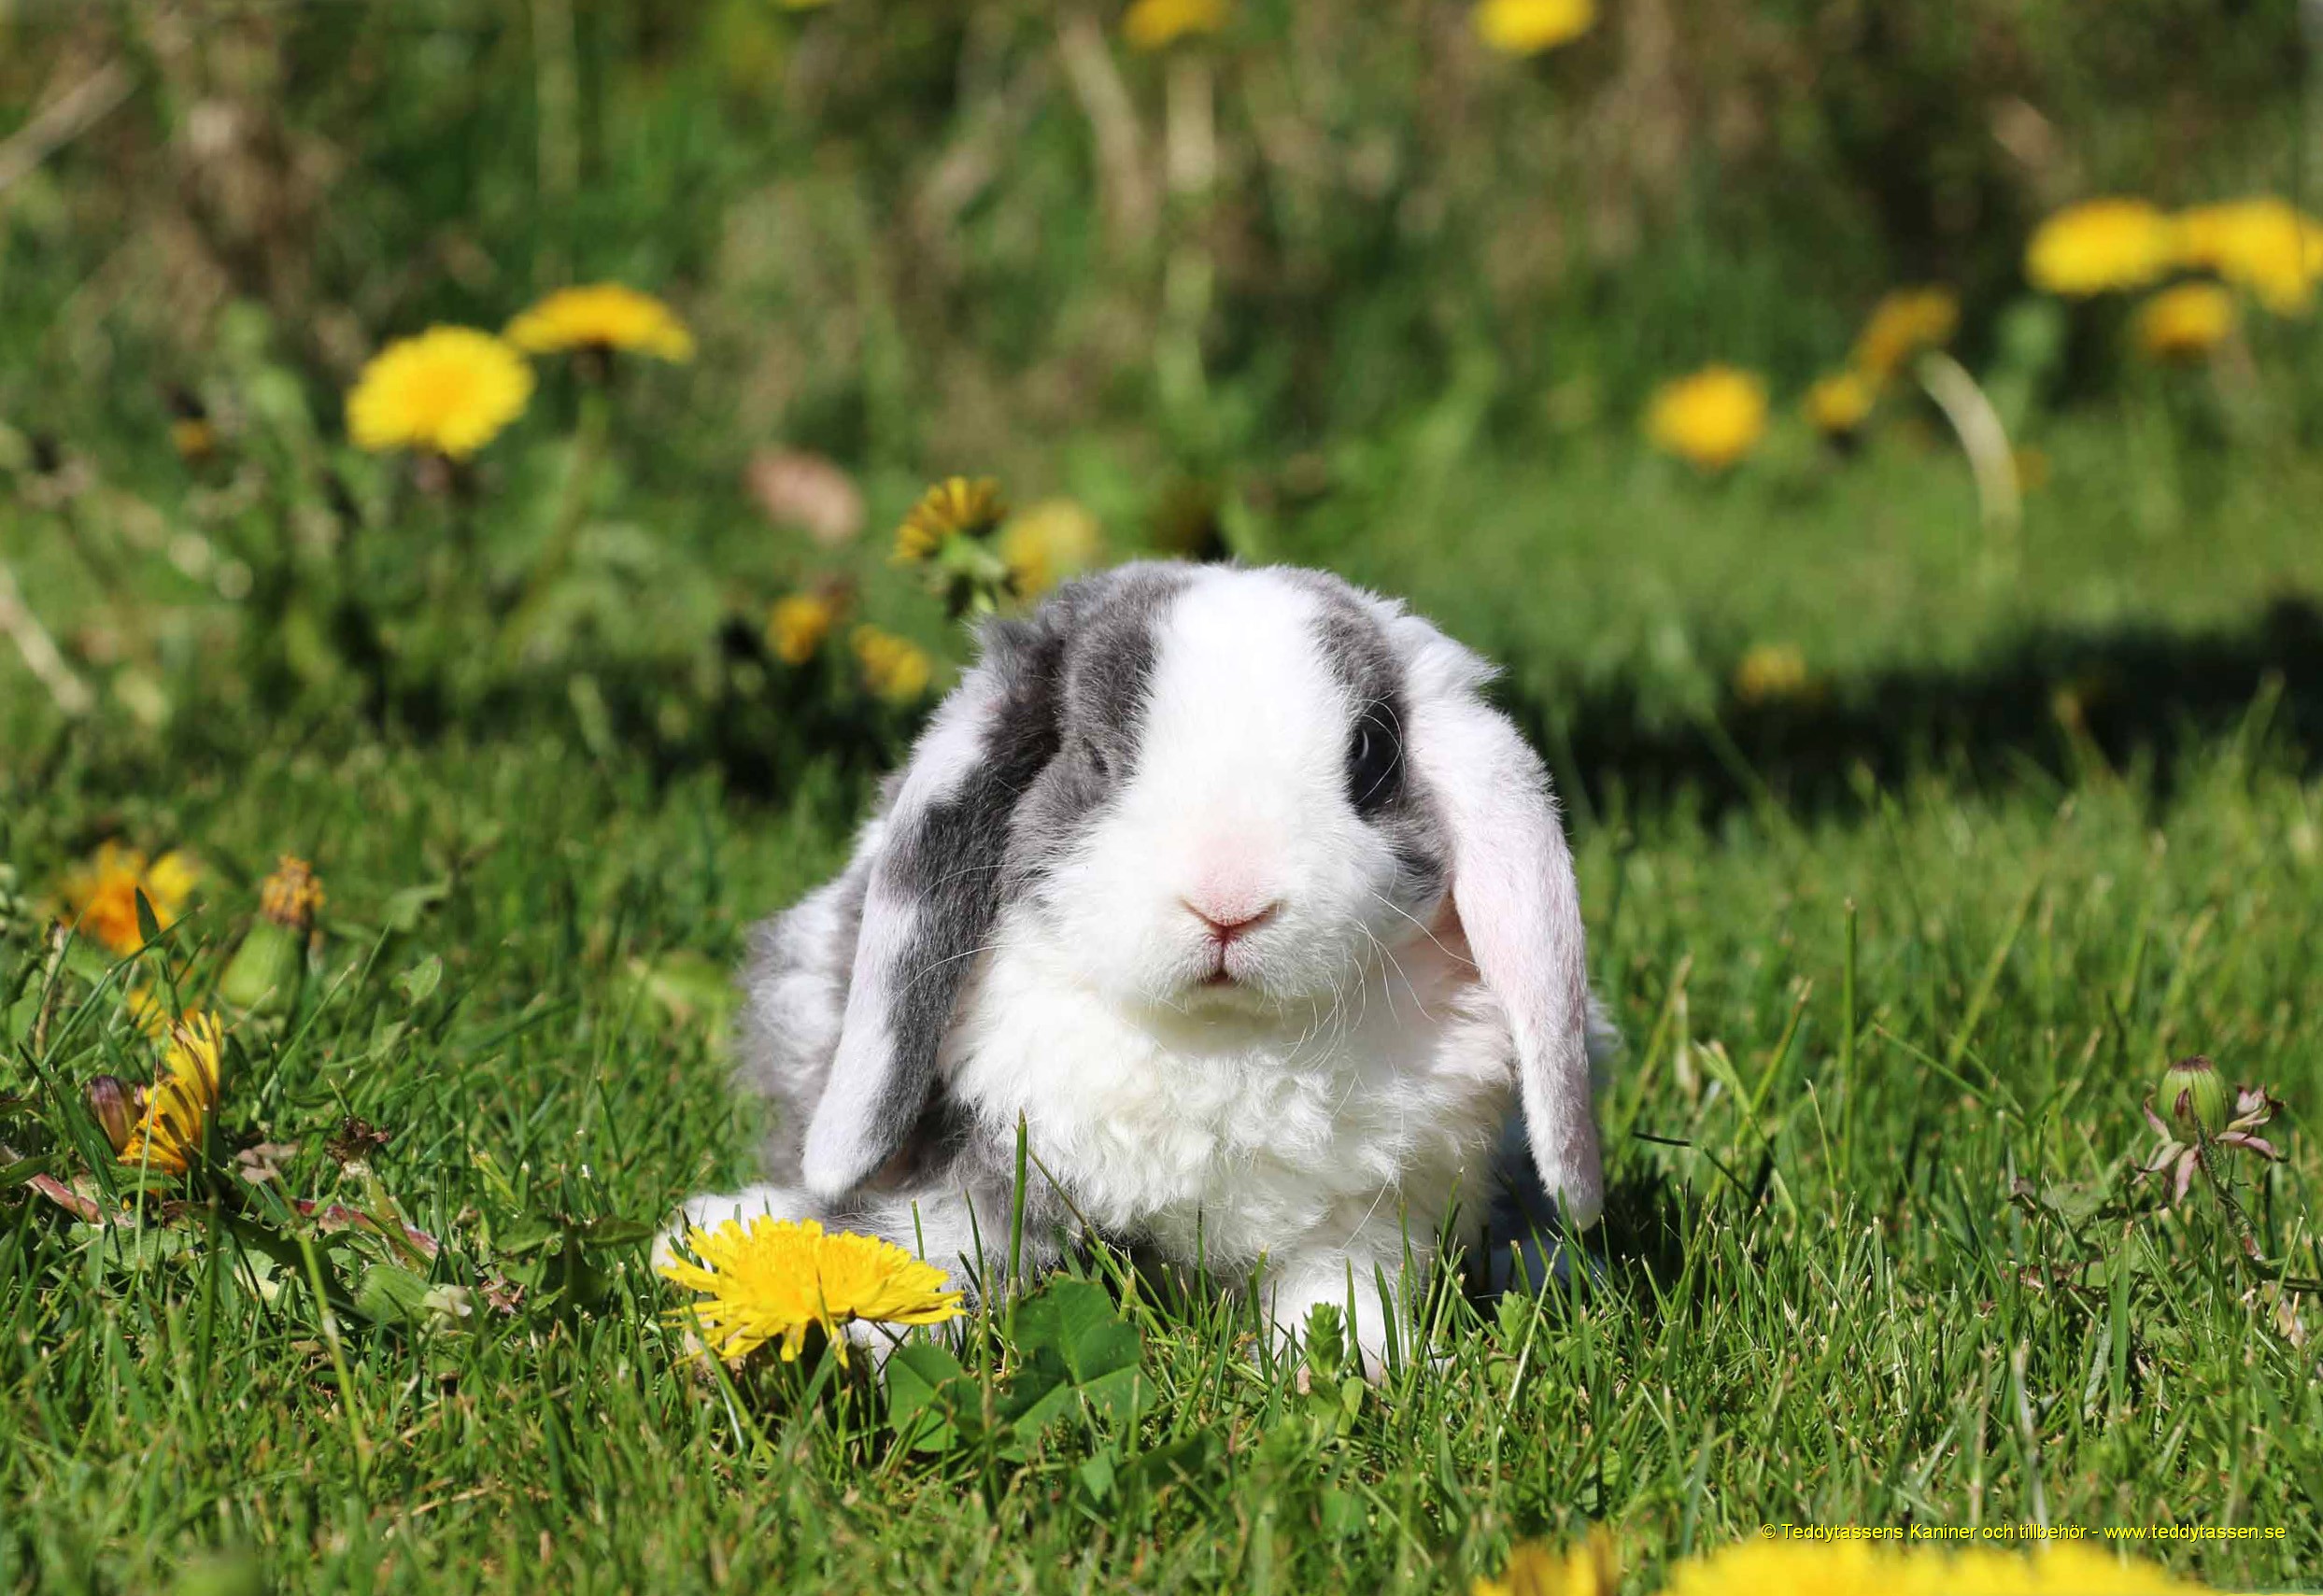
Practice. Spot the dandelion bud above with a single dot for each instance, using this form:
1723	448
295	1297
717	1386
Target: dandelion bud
110	1101
2194	1096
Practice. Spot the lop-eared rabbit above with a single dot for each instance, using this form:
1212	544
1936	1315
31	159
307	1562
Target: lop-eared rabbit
1230	887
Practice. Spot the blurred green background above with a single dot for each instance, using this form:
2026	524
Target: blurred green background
1335	282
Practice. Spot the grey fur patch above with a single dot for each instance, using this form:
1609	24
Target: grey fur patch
794	985
1386	792
1069	684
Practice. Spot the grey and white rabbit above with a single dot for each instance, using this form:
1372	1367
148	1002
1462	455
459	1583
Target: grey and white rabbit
1230	884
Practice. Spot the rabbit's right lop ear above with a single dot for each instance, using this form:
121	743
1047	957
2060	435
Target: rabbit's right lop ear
1513	886
929	905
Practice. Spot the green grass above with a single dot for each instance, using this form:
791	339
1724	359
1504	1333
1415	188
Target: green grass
1824	1307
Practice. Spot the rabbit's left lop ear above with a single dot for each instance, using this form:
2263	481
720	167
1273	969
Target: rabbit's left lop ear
1512	883
928	907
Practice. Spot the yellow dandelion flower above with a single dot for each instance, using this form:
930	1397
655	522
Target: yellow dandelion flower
1533	1569
1903	324
177	1107
1838	402
2264	245
292	894
2185	322
101	900
1046	543
1712	417
958	506
1770	670
797	624
1528	27
778	1279
1857	1568
2101	246
896	669
450	389
1155	25
602	315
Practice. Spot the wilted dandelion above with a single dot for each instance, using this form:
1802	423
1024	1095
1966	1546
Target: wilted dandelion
1044	544
2185	322
1528	27
1713	417
797	624
266	970
2101	246
780	1277
896	669
179	1106
958	506
101	899
450	389
603	318
1838	402
1901	325
2264	245
1534	1569
1155	25
2202	1119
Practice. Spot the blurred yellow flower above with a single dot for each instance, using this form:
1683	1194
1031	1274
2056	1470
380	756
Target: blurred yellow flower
780	1277
1155	24
1048	542
1838	402
2100	246
1903	324
602	315
1857	1568
896	669
1533	1569
2264	245
797	624
1528	27
1770	670
2185	322
1712	417
450	389
966	506
100	899
178	1106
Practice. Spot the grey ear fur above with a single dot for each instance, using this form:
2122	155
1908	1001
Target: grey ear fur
933	894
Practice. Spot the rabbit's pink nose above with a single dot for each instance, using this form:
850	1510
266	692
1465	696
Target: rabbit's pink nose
1227	924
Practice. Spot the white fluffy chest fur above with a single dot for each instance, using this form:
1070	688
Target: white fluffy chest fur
1260	1134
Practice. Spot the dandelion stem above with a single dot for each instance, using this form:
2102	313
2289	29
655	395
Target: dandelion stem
1982	437
589	444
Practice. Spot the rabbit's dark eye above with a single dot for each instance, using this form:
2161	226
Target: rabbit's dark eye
1375	759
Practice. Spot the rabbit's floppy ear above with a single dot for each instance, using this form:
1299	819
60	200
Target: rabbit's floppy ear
1513	886
930	904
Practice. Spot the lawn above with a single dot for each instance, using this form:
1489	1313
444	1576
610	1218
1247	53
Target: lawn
1922	819
1874	1254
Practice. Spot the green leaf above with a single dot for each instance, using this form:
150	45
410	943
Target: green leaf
1096	1352
927	1395
405	909
420	983
148	926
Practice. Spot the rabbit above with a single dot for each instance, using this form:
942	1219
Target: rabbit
1231	887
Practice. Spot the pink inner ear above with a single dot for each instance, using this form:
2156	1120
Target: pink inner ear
1452	937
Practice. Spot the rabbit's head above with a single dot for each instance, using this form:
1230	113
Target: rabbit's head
1211	791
